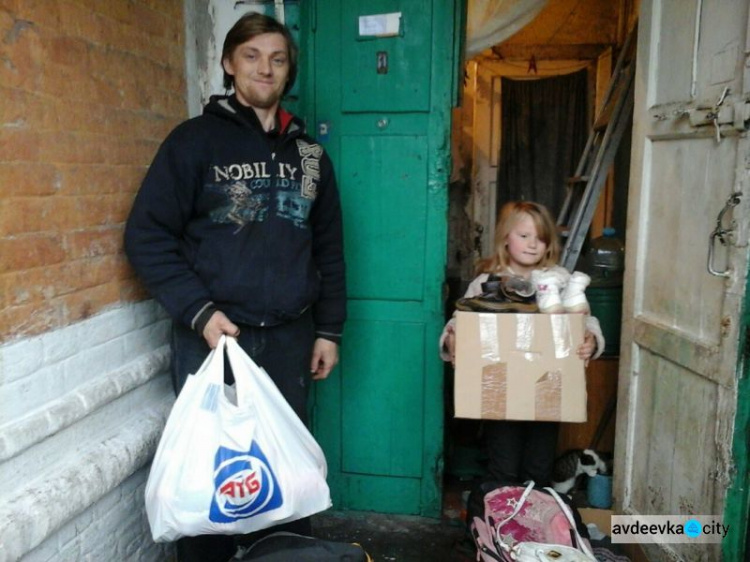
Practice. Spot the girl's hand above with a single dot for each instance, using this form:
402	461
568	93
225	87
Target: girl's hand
450	345
587	348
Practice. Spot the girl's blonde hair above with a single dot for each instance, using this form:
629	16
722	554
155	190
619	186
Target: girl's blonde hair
508	217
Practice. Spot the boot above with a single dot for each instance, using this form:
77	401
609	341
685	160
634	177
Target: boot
574	296
502	293
548	285
491	302
509	287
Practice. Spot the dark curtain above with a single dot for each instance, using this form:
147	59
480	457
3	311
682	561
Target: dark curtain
544	132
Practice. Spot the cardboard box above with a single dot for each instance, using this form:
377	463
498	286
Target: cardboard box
602	518
519	367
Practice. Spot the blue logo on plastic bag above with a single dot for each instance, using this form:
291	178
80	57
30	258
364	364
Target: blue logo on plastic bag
244	485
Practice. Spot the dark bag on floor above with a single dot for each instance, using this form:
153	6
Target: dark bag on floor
285	547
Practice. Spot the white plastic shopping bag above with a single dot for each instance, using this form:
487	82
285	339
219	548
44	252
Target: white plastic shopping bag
233	460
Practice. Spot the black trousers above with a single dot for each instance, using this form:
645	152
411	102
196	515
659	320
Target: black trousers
284	352
521	450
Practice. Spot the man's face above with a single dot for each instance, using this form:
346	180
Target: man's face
260	68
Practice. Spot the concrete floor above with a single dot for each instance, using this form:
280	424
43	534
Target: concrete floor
395	538
403	538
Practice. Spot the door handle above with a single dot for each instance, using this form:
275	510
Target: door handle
722	234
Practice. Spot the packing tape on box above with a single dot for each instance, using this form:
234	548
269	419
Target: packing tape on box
548	396
547	389
488	337
494	391
524	332
490	346
561	335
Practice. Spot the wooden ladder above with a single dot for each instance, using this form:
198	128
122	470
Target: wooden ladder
585	187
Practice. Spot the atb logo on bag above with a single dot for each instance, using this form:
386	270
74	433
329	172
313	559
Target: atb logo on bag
244	485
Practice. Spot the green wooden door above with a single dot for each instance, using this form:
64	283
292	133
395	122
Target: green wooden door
381	108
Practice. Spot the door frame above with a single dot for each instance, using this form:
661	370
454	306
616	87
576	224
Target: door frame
737	508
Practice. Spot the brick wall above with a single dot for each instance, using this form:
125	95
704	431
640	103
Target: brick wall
89	536
88	90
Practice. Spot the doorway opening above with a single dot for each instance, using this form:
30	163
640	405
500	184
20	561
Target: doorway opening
511	140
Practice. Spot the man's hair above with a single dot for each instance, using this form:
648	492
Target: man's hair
508	217
249	26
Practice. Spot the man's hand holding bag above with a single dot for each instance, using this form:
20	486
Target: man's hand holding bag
233	460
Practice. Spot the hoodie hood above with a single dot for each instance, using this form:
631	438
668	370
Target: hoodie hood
221	106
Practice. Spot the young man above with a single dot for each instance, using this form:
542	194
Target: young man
237	230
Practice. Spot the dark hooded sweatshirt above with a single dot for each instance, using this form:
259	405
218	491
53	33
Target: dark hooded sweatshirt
249	223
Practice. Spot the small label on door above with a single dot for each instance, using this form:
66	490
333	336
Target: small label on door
380	25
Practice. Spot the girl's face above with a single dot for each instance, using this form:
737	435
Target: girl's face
525	249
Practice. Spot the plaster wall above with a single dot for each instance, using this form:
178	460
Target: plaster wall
82	411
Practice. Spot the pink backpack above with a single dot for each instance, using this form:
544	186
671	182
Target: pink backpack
524	524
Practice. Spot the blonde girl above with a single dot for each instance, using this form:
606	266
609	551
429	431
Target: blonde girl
525	241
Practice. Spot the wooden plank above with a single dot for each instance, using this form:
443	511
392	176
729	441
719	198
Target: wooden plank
695	415
659	446
382	398
372	493
640	422
674	345
385	215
